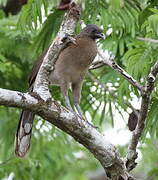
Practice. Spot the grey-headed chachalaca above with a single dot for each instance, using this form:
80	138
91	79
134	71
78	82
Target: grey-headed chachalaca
70	70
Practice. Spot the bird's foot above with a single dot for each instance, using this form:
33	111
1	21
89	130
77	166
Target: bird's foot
82	117
68	38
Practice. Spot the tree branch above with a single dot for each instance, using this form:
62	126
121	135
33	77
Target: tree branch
72	124
97	64
40	102
118	69
132	154
148	40
142	114
67	27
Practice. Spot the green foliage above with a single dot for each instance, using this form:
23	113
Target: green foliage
121	16
149	161
15	54
152	123
3	2
31	14
48	31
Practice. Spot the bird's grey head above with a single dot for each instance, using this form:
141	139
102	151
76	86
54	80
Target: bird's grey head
93	31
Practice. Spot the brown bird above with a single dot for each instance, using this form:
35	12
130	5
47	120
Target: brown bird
70	70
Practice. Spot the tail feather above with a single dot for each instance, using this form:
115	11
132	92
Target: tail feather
23	135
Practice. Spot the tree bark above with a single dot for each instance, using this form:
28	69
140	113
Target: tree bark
72	124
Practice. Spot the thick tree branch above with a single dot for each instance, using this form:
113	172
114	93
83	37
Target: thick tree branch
67	27
72	124
132	154
145	93
40	102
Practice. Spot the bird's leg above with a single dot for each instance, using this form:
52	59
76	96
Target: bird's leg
77	106
64	90
76	90
67	102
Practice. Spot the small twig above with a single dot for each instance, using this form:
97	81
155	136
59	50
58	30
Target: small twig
148	40
133	109
96	65
132	154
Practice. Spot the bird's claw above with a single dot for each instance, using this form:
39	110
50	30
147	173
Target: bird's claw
69	38
96	127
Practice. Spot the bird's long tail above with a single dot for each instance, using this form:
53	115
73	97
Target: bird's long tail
23	135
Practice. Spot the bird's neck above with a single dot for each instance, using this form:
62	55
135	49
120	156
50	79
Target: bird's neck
87	50
85	35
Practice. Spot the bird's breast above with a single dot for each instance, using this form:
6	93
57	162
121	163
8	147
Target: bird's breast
83	53
74	61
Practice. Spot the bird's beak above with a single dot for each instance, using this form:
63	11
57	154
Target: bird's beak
100	35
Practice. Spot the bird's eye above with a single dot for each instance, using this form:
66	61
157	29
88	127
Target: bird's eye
93	31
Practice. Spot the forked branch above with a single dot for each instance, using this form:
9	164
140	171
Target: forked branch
149	87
